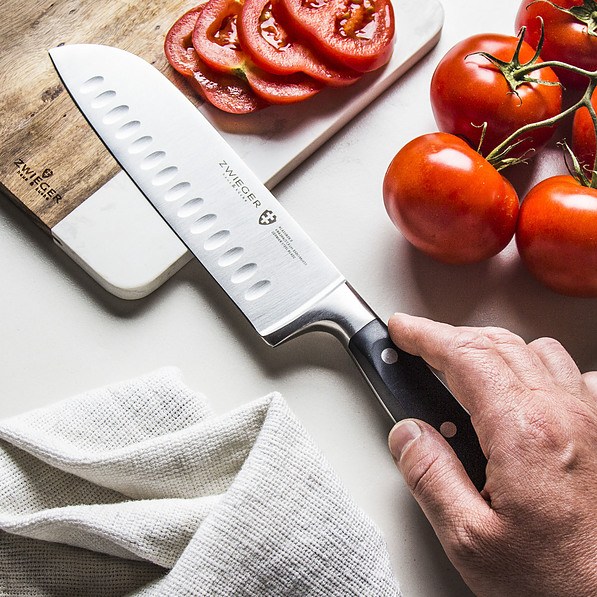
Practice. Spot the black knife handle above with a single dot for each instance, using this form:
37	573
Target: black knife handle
408	388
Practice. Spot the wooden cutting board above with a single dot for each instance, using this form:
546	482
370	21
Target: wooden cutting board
49	161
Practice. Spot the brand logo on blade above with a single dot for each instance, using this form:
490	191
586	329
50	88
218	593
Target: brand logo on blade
267	217
238	184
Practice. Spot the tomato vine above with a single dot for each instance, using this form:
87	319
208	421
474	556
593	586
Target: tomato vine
498	156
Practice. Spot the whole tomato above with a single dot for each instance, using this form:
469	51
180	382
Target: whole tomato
448	200
556	235
468	90
583	136
567	36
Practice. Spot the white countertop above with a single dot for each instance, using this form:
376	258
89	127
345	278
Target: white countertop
62	334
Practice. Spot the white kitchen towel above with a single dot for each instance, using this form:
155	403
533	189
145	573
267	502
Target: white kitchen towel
139	489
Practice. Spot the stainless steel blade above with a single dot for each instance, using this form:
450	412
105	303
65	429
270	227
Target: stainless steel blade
227	218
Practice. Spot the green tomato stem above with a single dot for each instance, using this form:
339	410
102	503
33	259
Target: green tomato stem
502	149
584	101
529	68
532	126
516	74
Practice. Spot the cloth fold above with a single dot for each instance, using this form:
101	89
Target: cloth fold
139	489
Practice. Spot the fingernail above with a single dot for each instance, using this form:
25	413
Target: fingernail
402	434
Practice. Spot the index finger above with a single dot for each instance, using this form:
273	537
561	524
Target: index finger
474	368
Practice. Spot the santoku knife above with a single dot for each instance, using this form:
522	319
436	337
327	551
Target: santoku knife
246	240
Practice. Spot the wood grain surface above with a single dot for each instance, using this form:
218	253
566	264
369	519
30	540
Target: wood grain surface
50	160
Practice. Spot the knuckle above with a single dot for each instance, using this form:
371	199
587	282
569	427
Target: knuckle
422	474
542	431
550	349
563	371
466	342
501	336
482	340
547	345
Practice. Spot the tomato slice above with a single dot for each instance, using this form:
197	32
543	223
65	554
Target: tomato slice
275	50
226	92
295	87
358	34
178	46
215	38
216	41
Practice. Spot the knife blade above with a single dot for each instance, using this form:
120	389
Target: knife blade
275	274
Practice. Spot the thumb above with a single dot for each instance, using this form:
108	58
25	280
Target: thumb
437	480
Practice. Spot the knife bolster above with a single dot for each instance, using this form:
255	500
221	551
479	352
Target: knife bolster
341	312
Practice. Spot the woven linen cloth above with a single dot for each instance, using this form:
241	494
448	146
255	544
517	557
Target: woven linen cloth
139	489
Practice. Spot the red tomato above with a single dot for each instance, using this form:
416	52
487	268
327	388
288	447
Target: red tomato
448	200
358	35
225	92
468	90
583	136
557	235
277	51
216	41
566	37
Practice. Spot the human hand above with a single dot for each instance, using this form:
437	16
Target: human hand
533	529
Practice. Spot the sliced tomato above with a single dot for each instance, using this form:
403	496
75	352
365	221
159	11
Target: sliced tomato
216	41
275	50
358	34
281	89
215	37
178	45
225	92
